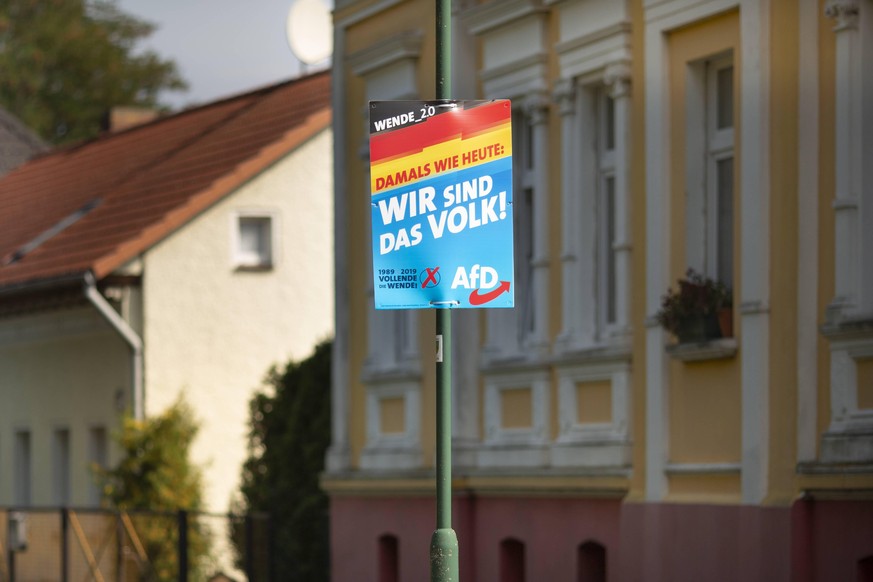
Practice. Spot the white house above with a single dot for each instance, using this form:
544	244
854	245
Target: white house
188	254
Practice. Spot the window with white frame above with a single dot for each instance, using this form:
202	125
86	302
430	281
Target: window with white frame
392	336
710	168
388	68
513	39
523	160
510	329
720	169
596	248
606	263
865	302
596	242
253	241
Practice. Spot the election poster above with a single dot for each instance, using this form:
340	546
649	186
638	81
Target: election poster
441	204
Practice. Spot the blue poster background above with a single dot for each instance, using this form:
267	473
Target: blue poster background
421	276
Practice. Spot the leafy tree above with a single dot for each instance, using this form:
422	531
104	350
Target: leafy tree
288	437
155	479
65	63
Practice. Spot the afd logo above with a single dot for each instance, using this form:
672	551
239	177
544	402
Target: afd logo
479	277
484	282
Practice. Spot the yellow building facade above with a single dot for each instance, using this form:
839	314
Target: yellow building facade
589	442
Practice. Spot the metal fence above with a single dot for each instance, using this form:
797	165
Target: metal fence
70	544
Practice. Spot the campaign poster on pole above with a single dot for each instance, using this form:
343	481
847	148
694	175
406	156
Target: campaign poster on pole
441	204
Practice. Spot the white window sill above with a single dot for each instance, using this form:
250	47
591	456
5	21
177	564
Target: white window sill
703	468
716	349
254	268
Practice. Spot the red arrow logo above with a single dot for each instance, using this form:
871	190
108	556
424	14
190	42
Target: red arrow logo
477	299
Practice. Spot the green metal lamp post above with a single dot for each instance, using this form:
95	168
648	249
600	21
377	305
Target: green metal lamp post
444	542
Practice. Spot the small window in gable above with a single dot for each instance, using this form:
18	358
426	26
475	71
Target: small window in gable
254	242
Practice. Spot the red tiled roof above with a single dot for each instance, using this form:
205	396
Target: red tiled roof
100	204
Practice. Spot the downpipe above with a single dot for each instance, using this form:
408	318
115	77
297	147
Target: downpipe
128	335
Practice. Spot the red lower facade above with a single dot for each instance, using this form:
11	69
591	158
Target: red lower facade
566	539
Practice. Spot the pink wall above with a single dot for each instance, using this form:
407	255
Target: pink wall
356	523
812	541
551	529
842	535
667	542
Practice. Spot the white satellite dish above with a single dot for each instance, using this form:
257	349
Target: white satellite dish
310	31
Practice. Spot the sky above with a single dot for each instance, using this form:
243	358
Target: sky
221	47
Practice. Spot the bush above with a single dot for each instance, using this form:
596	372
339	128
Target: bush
155	474
289	433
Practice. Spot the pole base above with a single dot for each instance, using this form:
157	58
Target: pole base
444	556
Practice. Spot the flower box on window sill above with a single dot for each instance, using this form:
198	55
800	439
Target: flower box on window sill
697	329
700	315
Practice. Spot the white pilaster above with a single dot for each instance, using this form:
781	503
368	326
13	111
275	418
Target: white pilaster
465	383
617	78
807	228
755	248
658	154
537	108
338	455
572	218
848	136
849	318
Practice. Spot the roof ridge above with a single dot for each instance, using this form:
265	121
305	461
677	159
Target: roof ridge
256	97
244	171
172	115
260	90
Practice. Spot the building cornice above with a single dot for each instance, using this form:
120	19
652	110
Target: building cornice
593	483
487	17
617	29
350	12
406	45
